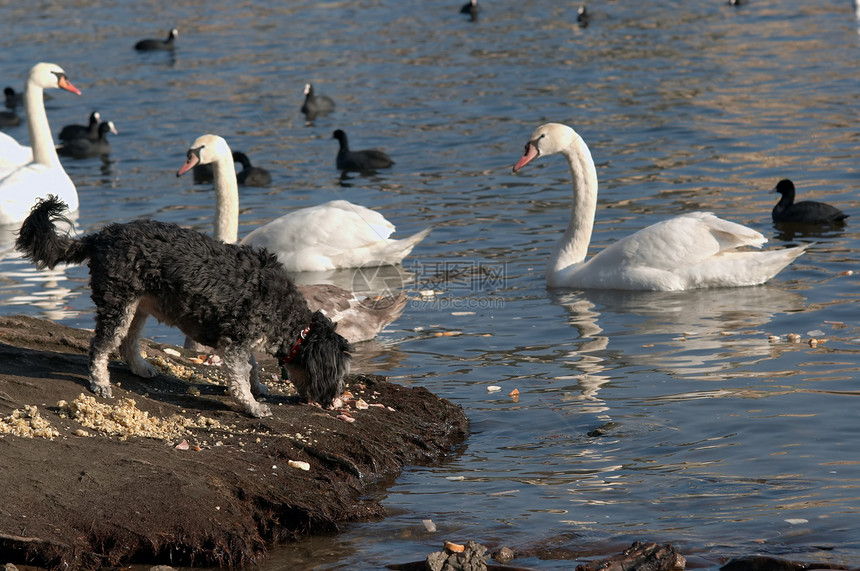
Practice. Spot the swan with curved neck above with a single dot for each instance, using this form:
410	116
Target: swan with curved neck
346	227
27	174
329	236
691	251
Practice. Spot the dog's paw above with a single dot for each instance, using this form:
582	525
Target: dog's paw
142	369
103	390
259	410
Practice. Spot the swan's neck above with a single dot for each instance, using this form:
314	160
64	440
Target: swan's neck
571	250
41	140
226	200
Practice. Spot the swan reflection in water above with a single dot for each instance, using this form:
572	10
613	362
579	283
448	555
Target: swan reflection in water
21	284
701	333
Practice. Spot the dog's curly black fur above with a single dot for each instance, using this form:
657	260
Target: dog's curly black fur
233	298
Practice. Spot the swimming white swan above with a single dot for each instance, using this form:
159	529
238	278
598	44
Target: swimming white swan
359	318
695	250
28	173
336	234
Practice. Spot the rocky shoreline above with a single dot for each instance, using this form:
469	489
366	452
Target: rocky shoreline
170	471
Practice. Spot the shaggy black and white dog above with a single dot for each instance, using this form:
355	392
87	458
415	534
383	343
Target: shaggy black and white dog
235	299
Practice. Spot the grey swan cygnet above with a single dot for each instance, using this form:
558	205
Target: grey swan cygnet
305	231
90	130
28	173
315	104
250	175
84	147
365	161
690	251
158	45
804	212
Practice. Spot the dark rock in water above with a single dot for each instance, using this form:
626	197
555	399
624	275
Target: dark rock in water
640	555
472	558
504	555
602	430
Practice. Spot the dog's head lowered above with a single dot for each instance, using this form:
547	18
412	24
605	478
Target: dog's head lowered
320	363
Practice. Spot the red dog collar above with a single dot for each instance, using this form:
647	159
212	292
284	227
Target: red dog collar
295	349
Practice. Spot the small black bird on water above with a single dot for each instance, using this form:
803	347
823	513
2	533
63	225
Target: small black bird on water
471	8
805	212
155	45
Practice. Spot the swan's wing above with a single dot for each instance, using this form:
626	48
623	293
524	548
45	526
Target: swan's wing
20	188
335	225
13	154
679	242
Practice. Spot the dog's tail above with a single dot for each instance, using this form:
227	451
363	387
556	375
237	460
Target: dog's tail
39	241
326	357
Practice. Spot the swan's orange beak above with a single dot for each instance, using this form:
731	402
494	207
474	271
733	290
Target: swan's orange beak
529	155
192	160
64	83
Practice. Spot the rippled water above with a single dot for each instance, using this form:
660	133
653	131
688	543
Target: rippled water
718	439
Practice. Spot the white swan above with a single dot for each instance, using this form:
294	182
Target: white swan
336	234
358	318
30	173
695	250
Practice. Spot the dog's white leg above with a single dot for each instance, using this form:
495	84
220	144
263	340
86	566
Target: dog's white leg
257	386
238	366
109	331
129	349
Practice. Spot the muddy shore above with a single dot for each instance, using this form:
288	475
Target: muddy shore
208	485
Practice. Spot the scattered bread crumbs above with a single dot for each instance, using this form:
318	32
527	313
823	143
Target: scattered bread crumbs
27	423
124	419
179	371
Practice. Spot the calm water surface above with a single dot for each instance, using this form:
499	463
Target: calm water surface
722	440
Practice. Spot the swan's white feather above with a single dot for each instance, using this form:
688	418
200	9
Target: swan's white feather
694	250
